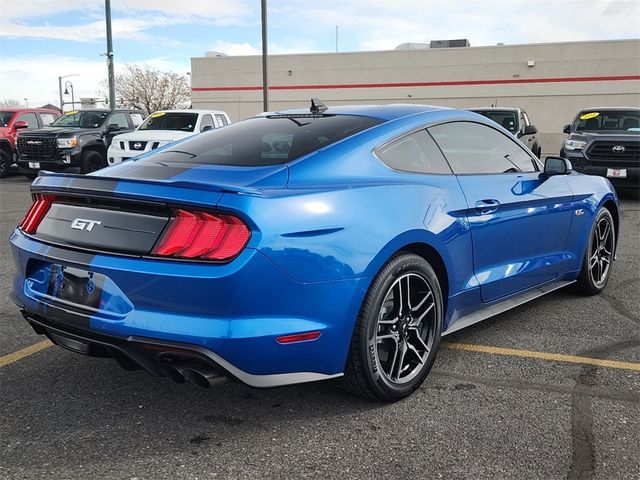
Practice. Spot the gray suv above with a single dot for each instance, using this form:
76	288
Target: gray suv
517	122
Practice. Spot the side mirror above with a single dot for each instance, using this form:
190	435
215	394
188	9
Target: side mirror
567	129
530	130
113	127
557	166
207	128
20	124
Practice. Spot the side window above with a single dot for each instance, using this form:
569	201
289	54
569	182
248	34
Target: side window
46	119
526	118
221	119
137	119
473	148
207	121
119	119
416	153
30	118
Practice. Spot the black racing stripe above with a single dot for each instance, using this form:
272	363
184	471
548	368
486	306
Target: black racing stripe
151	171
64	316
85	184
62	255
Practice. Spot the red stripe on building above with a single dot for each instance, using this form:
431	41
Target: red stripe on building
504	81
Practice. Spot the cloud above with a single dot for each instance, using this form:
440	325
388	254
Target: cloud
36	77
222	12
230	48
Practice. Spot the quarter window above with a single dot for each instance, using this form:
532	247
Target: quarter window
47	119
119	119
416	153
473	148
222	120
30	118
137	119
207	121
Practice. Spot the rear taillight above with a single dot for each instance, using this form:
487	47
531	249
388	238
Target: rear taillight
201	235
36	213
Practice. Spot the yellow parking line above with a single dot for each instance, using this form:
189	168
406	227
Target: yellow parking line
467	347
554	357
25	352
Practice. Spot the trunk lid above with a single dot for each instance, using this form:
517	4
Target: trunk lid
127	213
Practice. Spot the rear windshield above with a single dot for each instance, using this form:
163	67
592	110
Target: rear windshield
506	119
264	140
81	119
608	120
185	122
5	118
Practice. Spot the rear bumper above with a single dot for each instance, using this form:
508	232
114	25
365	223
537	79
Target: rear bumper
134	353
230	313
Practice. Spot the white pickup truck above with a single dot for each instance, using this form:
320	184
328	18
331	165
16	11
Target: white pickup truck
161	128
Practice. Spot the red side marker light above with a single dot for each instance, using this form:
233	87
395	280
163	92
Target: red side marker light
298	337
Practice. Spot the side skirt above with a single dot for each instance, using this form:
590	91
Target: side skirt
504	305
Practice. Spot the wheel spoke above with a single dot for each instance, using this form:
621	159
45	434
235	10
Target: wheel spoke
413	350
605	233
393	336
395	357
423	345
417	321
417	307
403	352
390	321
593	260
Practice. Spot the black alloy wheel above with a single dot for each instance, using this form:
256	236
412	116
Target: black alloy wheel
398	330
92	161
598	260
5	162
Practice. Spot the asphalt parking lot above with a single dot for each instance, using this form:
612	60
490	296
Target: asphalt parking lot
511	411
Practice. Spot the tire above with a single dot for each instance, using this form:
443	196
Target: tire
92	161
5	162
401	312
598	259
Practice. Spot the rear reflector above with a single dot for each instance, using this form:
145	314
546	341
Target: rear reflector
201	235
36	213
298	337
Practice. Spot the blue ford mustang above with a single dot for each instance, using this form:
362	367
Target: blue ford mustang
308	244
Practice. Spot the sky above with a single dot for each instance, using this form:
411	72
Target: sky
41	40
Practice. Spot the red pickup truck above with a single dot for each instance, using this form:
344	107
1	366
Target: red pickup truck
11	121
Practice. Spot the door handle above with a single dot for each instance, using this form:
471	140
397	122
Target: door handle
487	206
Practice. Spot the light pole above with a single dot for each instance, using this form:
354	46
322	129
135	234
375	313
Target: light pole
60	87
68	85
111	75
265	79
26	100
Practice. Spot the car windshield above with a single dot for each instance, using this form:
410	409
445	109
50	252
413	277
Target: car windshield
608	121
270	140
185	122
5	118
505	118
81	119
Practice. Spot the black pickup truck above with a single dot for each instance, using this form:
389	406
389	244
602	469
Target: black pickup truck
606	142
78	139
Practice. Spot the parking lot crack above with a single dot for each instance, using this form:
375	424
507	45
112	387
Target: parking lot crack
583	454
620	308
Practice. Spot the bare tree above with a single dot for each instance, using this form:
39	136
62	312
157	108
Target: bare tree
145	87
10	103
